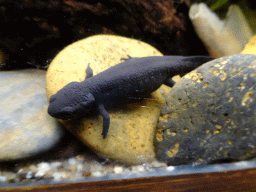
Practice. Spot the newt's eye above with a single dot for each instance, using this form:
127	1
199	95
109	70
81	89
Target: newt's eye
52	98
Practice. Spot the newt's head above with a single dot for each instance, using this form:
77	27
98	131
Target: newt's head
70	101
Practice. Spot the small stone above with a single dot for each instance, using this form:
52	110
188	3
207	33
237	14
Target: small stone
132	127
157	164
72	161
25	127
12	177
118	169
80	167
209	115
138	168
24	174
56	165
3	179
42	168
96	174
57	176
170	168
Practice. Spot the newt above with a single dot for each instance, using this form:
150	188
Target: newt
134	77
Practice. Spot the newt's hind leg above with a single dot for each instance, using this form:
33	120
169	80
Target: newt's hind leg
88	71
169	82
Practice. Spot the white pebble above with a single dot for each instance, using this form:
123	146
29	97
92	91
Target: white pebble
80	167
170	168
141	168
138	168
3	179
29	175
118	169
96	174
57	176
157	164
42	168
72	161
56	164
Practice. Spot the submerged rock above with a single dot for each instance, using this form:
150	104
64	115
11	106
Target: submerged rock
210	114
25	127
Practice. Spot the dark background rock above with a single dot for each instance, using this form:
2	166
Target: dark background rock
209	115
32	32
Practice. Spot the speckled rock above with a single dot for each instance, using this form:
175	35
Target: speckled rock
25	127
210	114
132	126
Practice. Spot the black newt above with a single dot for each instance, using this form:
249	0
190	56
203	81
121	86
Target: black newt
133	78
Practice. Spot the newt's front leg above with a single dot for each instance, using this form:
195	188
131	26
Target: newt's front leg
106	120
88	71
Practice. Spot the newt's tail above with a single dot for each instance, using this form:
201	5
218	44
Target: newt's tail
192	62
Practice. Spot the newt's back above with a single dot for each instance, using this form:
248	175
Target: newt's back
139	76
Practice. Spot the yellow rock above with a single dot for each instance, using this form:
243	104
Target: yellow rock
250	47
132	126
